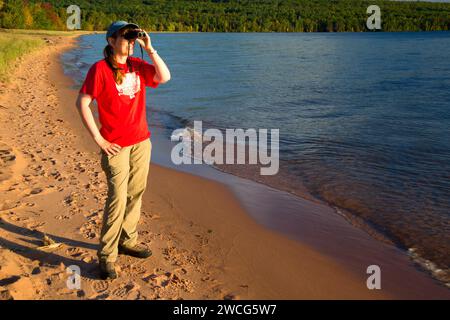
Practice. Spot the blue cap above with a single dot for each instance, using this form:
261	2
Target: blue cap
117	25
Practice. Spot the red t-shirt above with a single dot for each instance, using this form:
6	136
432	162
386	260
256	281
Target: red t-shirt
121	108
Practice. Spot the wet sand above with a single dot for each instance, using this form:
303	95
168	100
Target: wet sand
205	244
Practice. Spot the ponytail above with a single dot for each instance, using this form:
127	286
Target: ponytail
109	57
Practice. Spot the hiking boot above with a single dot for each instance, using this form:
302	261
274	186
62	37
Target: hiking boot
107	270
136	251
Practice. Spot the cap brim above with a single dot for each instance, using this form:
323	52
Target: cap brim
133	25
128	25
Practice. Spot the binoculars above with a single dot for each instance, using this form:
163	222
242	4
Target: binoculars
134	34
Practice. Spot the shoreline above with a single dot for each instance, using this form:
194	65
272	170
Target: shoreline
353	220
283	183
321	227
205	244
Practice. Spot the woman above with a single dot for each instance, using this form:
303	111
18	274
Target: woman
118	84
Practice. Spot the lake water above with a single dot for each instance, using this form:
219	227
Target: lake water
364	118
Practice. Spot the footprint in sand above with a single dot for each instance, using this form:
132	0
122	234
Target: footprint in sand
100	286
76	252
6	154
7	159
35	191
18	219
169	280
62	217
137	268
151	216
8	205
88	233
129	291
35	226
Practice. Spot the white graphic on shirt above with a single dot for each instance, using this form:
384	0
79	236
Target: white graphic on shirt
131	84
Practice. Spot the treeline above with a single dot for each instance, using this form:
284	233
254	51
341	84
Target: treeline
229	15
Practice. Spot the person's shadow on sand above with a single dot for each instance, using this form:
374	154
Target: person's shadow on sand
40	235
88	270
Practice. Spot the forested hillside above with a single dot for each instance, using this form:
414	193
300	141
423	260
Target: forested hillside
228	15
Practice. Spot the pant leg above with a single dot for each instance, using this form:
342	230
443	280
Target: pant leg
140	156
116	168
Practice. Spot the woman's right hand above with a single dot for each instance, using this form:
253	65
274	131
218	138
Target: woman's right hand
108	147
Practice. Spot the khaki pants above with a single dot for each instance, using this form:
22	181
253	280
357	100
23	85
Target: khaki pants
126	174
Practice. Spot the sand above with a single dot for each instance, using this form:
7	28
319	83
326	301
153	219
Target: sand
205	246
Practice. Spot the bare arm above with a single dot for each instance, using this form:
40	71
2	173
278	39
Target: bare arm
162	74
85	111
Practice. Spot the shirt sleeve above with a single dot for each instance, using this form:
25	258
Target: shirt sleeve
93	84
148	72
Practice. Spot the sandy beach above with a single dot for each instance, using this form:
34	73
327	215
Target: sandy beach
205	245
